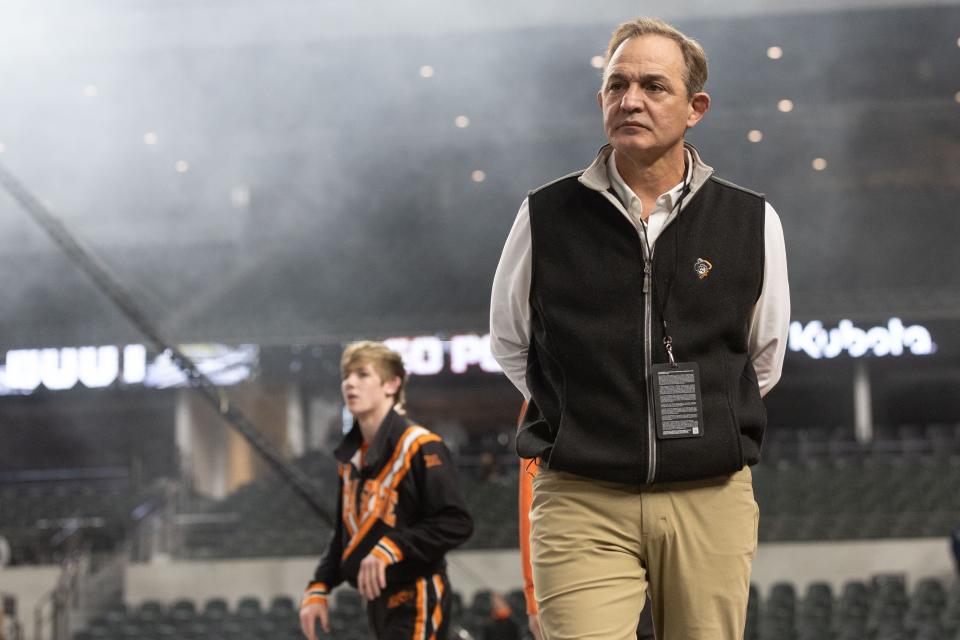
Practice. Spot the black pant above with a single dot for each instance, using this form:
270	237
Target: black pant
418	610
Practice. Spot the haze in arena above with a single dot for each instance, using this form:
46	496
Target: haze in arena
204	202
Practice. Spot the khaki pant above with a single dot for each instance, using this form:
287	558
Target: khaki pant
598	546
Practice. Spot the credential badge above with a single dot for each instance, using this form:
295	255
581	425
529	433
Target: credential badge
702	267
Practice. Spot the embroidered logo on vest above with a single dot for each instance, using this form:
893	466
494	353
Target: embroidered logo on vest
702	267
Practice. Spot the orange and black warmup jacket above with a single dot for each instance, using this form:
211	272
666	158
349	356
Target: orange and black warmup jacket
400	500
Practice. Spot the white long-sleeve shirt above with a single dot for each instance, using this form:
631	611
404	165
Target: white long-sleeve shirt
510	327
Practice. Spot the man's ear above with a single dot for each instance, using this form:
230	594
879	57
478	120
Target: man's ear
699	105
392	386
600	99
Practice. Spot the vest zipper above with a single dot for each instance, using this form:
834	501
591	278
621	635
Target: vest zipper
647	335
647	251
648	366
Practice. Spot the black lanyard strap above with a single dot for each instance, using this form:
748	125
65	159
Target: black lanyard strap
662	300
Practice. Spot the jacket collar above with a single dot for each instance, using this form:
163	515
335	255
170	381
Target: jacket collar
595	176
383	443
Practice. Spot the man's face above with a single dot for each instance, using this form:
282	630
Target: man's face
645	105
364	390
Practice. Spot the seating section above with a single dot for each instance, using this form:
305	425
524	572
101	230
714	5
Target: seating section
879	609
858	498
813	484
493	504
42	520
838	442
250	620
184	620
263	518
266	518
814	498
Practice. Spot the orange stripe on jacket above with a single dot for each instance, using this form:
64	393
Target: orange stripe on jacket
387	551
438	609
395	475
419	624
368	521
316	593
394	549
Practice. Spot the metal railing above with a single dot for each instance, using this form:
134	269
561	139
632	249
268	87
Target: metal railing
88	583
51	613
807	449
9	625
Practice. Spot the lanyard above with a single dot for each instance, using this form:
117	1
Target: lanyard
662	303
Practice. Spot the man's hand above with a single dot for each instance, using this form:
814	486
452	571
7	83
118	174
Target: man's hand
308	619
372	578
533	621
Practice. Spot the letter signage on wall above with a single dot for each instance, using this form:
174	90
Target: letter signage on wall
893	339
25	370
429	355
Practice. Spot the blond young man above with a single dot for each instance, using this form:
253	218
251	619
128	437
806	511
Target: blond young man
642	306
399	511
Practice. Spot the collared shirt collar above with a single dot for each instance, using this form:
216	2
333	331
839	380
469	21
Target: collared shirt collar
626	194
598	175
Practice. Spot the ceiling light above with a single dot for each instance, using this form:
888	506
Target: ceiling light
819	164
91	91
755	135
462	122
426	71
774	53
240	196
786	106
478	176
182	166
150	138
596	62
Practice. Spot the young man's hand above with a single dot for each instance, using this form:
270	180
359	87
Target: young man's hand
372	577
308	619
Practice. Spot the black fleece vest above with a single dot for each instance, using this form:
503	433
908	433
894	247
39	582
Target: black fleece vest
586	368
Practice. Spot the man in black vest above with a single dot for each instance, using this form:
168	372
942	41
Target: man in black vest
642	306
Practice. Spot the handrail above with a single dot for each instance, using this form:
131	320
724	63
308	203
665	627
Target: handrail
52	607
9	624
87	585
